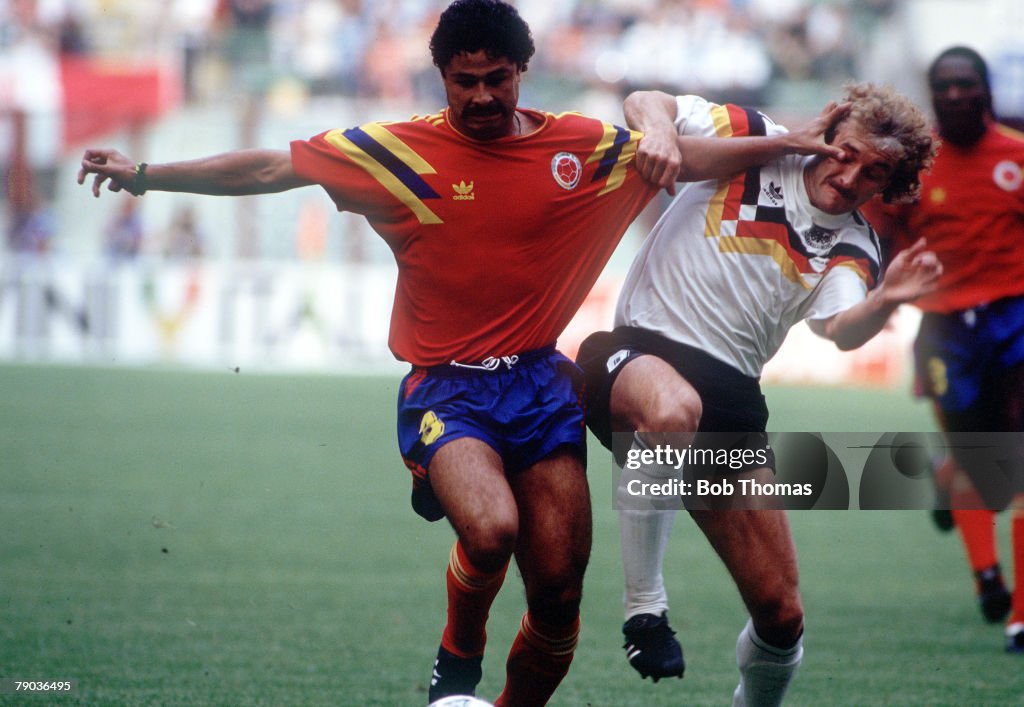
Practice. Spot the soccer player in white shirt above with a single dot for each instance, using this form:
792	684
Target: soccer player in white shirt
731	265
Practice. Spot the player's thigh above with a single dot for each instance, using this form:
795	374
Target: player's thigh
468	479
555	526
996	419
757	548
650	396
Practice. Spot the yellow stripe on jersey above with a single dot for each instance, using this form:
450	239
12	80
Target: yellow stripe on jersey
1008	131
765	246
856	267
716	205
713	220
617	176
386	177
615	144
398	148
720	119
435	119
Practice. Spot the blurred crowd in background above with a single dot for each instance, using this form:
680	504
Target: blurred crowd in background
377	47
103	65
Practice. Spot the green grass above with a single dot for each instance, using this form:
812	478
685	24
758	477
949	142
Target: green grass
175	538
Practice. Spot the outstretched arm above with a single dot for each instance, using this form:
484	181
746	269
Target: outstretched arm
228	174
911	274
664	156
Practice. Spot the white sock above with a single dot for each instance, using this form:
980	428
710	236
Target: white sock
643	535
765	671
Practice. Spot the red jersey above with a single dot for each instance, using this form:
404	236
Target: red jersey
497	242
971	211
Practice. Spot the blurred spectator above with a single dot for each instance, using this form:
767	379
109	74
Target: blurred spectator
22	21
311	230
189	21
123	237
694	47
32	230
246	40
386	74
324	42
31	224
811	40
830	42
184	238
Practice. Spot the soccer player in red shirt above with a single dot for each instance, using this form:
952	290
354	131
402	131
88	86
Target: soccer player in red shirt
969	352
500	219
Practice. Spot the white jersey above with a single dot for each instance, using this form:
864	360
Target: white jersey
732	265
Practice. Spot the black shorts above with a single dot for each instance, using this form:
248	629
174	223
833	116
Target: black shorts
732	402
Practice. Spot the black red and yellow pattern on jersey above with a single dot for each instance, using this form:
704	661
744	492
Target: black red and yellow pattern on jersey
732	265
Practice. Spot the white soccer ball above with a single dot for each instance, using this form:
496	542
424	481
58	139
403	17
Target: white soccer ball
460	701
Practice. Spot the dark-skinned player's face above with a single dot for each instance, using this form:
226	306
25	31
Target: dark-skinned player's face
960	99
482	95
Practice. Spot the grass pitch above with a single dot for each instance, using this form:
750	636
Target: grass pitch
174	538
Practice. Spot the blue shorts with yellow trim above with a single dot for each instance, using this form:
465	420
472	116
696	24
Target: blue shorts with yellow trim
962	359
524	407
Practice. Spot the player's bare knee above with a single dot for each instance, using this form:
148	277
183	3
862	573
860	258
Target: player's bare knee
555	604
780	622
672	418
554	584
489	544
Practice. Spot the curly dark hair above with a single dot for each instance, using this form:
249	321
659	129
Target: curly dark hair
491	25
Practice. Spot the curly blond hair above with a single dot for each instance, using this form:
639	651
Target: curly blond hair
895	126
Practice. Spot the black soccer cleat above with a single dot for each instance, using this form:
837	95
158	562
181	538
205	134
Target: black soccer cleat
941	514
993	597
651	647
943	519
453	675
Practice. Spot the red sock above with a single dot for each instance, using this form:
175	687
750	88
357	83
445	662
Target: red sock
962	493
1017	540
539	659
977	529
470	595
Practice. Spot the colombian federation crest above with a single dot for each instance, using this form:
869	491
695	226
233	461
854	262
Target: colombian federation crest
566	169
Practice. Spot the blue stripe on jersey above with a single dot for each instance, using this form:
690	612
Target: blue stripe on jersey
392	163
611	155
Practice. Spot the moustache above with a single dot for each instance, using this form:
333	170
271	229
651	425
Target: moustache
847	194
482	112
